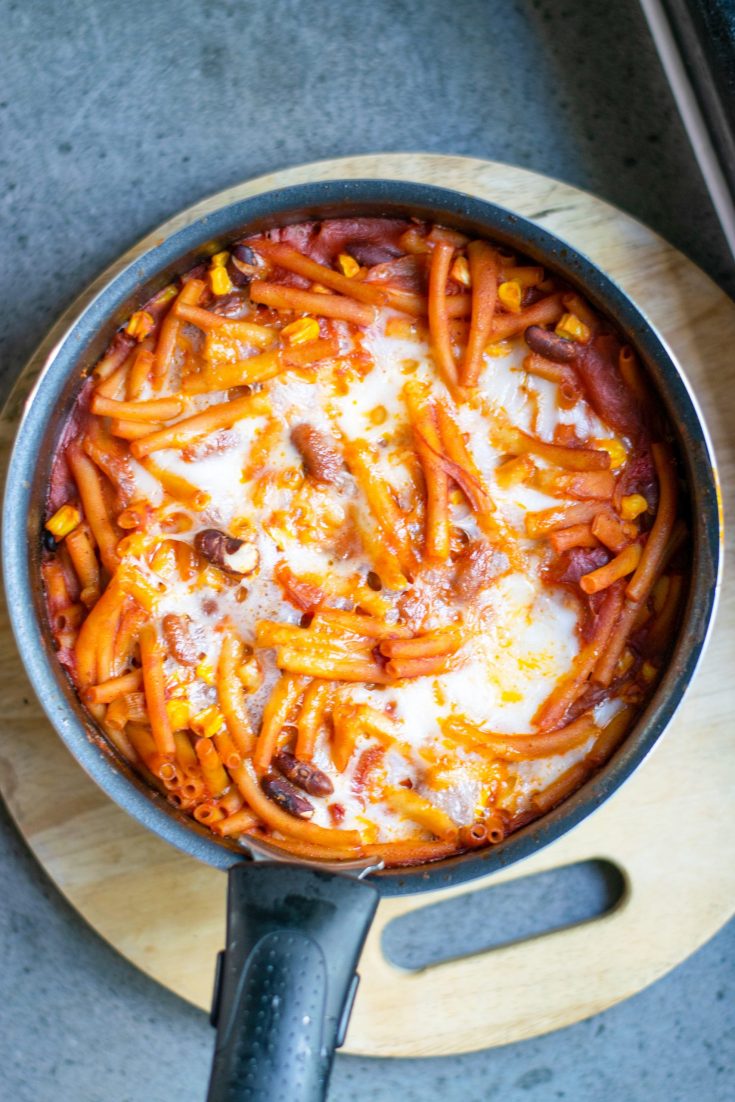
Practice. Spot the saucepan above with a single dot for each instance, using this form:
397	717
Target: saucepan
287	977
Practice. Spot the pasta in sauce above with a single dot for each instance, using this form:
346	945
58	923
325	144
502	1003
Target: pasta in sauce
363	539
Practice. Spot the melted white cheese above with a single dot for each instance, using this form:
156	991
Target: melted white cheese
522	635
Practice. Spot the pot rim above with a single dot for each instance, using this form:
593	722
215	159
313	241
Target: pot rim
170	249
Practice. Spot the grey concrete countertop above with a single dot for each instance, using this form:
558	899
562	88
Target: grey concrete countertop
113	117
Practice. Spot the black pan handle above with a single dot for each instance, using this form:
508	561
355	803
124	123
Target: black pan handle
286	980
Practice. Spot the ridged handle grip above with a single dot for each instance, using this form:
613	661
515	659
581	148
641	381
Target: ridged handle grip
286	981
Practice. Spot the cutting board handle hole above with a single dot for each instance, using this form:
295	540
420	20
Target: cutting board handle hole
504	914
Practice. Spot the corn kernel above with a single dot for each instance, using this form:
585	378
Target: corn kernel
320	289
461	272
403	329
632	505
208	722
378	415
648	671
219	280
572	328
219	260
456	497
178	714
205	671
615	450
497	349
368	830
301	331
348	264
510	295
64	521
139	325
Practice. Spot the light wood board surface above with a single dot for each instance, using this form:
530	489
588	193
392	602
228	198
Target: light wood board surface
669	829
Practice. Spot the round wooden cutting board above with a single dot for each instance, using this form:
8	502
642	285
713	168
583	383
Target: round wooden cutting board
669	829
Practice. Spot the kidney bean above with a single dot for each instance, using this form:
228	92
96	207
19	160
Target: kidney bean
368	255
575	563
49	541
244	254
286	796
322	460
303	774
550	345
178	636
225	551
606	392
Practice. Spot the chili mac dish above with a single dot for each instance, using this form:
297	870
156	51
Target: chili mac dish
363	540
